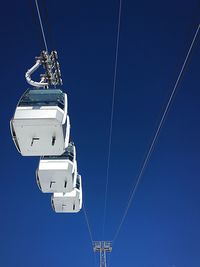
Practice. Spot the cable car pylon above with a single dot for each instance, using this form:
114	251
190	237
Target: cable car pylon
102	247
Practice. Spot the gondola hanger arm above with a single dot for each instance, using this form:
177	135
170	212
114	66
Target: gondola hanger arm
52	73
31	71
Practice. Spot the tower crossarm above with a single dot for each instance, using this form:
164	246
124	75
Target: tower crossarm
102	247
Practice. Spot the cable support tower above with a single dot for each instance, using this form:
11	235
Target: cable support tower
102	247
157	133
112	113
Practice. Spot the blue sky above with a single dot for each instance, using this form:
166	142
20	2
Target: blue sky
162	226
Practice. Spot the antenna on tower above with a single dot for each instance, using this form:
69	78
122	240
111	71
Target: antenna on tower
102	247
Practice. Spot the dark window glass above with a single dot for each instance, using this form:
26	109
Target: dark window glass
78	182
43	97
68	154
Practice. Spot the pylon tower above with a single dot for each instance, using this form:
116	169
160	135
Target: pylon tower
102	247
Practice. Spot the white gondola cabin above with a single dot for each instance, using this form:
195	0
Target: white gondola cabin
68	202
40	125
58	173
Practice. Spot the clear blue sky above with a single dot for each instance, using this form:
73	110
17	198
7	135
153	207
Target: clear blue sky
162	226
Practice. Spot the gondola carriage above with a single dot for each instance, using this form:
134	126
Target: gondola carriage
68	202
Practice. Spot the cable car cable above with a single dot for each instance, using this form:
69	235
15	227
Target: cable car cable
156	135
89	230
35	22
87	222
41	25
112	112
49	27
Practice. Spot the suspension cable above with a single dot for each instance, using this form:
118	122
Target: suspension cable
88	225
48	23
41	25
89	231
112	112
156	135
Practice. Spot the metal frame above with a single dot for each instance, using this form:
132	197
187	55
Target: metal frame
102	247
52	75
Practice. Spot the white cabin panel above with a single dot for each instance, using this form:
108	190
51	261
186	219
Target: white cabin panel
67	203
55	176
40	125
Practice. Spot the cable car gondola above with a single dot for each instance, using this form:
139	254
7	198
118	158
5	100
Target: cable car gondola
68	202
40	125
58	173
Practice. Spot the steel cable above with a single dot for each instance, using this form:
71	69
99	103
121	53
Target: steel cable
41	25
156	135
89	230
112	113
